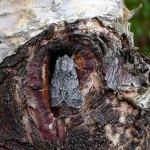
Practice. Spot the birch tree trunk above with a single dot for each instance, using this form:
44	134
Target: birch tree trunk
71	78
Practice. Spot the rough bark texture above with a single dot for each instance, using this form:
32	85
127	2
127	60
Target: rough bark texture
108	119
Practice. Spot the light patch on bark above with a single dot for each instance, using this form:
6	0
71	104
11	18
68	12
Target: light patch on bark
141	100
115	138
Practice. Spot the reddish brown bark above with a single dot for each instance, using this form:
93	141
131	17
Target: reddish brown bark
106	121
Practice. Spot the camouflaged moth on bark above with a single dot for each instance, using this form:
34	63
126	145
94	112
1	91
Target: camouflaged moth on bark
65	84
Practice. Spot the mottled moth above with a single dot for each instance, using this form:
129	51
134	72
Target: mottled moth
65	84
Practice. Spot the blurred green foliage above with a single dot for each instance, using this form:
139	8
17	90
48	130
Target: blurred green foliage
140	24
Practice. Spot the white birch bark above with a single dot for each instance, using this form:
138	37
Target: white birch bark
22	20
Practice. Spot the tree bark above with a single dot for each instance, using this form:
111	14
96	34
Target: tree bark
113	80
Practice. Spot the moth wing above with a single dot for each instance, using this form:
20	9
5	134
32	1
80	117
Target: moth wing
73	98
55	92
56	85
